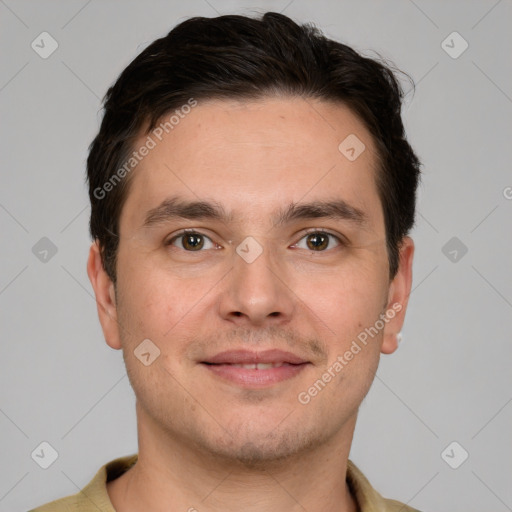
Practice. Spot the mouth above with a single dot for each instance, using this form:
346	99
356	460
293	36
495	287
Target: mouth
255	369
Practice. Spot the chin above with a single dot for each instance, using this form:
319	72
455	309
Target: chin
259	450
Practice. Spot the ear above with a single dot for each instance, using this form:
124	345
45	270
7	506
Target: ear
105	297
398	297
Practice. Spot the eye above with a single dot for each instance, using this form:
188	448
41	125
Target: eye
192	241
318	241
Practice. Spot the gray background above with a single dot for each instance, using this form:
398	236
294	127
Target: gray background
450	379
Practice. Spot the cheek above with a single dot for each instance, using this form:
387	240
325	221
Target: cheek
348	300
148	304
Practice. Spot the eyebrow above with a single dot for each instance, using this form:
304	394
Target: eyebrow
178	208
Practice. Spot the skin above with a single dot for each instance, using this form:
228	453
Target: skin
205	442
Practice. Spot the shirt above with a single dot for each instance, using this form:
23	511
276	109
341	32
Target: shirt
94	496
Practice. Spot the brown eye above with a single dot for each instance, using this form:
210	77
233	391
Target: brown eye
318	241
191	241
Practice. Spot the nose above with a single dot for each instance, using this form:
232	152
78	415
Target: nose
255	292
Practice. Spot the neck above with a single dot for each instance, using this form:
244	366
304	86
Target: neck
173	475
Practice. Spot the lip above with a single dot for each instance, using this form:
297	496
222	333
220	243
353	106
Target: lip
225	365
250	357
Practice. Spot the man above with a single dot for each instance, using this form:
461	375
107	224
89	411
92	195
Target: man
251	190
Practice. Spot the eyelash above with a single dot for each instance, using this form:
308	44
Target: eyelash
309	231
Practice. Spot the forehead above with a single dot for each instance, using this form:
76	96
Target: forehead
255	155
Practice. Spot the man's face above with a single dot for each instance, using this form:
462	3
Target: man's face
295	295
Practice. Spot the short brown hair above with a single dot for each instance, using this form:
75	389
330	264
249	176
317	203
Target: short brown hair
239	57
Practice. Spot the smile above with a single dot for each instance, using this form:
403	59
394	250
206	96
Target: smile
259	366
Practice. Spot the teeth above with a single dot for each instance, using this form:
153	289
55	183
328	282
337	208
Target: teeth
258	366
